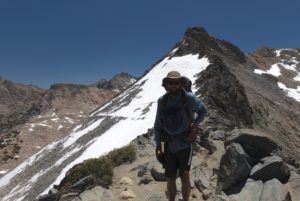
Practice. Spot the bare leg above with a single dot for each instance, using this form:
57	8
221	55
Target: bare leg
171	187
186	185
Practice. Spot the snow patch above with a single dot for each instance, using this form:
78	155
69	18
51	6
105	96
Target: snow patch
69	120
55	119
293	93
3	171
77	134
274	70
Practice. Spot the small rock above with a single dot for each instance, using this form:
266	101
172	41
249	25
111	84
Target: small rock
127	194
206	194
126	181
52	191
145	179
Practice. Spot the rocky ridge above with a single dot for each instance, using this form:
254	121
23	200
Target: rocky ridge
245	155
249	152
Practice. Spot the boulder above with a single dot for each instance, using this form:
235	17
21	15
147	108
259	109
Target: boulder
256	144
201	178
234	167
158	175
269	168
155	196
274	190
250	192
84	183
143	174
294	186
69	196
151	171
104	193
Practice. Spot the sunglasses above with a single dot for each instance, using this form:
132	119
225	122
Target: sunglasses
173	82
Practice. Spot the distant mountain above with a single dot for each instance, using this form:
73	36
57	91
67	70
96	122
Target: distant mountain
118	83
251	149
32	117
18	102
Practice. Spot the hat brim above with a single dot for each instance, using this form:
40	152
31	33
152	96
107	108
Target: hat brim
172	78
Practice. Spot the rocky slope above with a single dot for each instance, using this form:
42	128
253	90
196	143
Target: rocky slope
231	167
32	117
251	149
18	102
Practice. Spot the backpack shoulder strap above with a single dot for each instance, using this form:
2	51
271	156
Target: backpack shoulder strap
185	104
164	100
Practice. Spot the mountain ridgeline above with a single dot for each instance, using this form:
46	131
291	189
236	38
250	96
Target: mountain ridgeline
250	152
32	117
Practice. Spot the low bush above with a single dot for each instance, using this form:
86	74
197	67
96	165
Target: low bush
99	170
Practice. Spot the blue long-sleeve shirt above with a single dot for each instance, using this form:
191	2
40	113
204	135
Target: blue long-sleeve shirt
173	119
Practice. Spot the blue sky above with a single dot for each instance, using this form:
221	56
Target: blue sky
43	42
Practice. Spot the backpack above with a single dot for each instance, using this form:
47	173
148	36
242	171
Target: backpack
186	84
192	132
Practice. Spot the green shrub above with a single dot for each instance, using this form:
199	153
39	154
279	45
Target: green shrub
122	155
100	169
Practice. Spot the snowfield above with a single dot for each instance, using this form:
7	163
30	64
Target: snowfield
135	113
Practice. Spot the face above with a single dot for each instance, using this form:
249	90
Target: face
173	85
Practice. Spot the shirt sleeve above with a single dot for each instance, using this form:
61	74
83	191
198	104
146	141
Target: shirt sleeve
199	108
158	124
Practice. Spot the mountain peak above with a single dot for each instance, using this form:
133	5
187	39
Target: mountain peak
196	40
196	32
119	82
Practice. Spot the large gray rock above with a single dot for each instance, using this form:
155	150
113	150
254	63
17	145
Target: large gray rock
294	186
251	192
222	198
84	183
234	167
256	144
155	196
274	190
158	174
201	178
269	168
150	171
97	194
144	174
69	196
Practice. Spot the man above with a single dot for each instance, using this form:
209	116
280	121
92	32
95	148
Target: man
174	117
